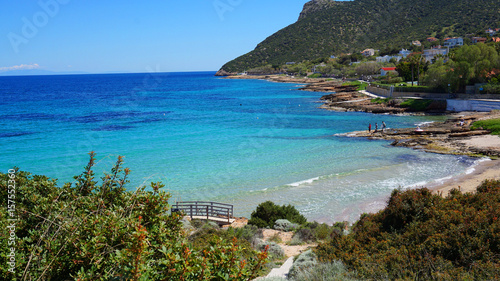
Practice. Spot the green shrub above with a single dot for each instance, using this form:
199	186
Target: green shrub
380	100
304	235
248	233
323	231
285	225
334	271
97	230
304	261
315	75
274	250
416	104
361	85
199	240
394	80
422	236
266	214
492	88
295	241
492	125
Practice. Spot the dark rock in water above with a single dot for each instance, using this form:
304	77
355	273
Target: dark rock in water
222	72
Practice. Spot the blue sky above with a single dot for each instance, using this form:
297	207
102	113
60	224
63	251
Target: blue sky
136	36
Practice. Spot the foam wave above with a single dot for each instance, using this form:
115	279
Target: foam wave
308	181
424	124
471	169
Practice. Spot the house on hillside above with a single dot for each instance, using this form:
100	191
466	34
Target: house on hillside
416	43
368	52
492	32
453	42
431	39
404	53
476	40
318	65
496	39
430	54
385	70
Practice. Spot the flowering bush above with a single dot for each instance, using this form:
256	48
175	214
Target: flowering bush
91	231
423	236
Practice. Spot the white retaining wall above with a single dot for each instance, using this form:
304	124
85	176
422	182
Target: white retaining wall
472	105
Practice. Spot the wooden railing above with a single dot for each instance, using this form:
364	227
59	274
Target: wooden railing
205	210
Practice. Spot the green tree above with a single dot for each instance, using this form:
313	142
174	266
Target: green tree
473	63
368	68
437	75
411	67
266	214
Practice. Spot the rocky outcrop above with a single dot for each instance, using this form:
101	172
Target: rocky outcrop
222	72
315	5
440	137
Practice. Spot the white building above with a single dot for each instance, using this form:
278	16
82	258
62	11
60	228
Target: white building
492	32
387	58
430	54
453	42
404	53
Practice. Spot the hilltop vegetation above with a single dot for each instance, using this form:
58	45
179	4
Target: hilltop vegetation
328	27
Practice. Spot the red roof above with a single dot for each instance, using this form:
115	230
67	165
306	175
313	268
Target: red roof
388	68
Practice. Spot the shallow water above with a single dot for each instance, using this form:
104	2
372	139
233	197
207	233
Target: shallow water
235	141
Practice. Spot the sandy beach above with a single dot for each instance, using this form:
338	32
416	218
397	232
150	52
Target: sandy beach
488	169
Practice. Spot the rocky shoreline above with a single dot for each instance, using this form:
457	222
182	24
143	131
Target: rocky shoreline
449	137
347	98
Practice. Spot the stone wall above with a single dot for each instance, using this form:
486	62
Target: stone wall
480	105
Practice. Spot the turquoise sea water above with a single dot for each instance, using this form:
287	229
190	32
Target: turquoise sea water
206	138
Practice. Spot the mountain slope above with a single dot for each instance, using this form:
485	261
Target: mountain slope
329	27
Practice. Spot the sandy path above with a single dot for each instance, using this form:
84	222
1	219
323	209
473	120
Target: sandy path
290	251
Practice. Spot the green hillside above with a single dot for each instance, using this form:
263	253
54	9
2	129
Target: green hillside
326	28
